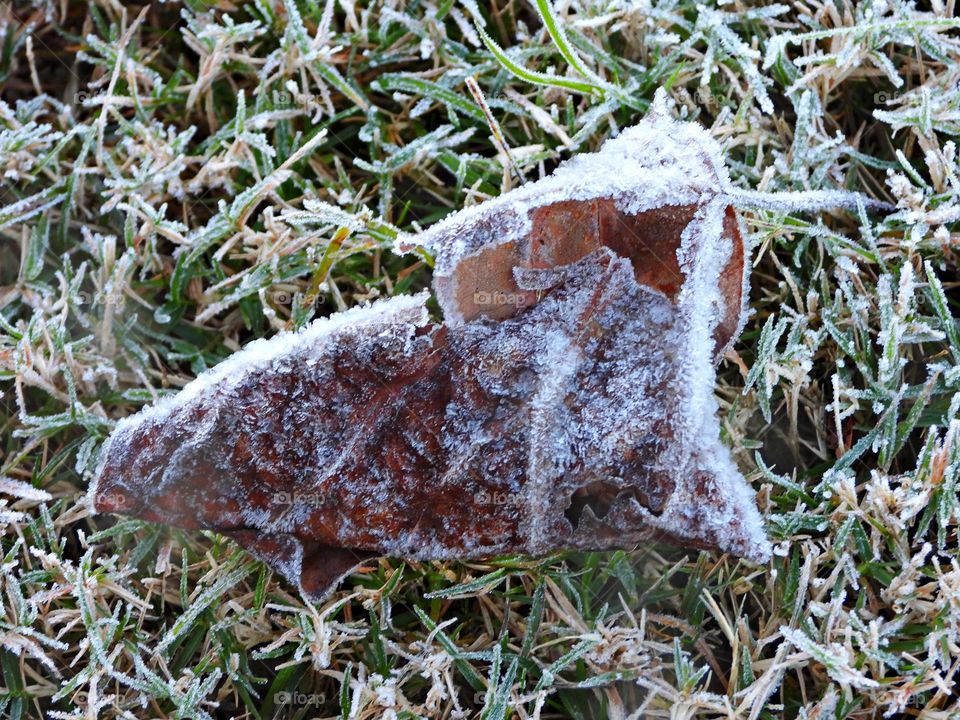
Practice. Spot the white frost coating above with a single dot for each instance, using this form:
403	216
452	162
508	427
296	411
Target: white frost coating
808	201
549	456
260	354
711	500
703	250
585	419
657	162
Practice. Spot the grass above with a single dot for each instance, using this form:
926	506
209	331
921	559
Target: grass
181	180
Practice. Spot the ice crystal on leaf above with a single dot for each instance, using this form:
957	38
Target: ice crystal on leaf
567	401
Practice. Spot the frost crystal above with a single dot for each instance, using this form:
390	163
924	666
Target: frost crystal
566	401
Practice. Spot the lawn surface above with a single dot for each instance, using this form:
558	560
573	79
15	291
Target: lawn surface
168	194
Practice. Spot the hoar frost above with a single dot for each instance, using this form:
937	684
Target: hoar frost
566	401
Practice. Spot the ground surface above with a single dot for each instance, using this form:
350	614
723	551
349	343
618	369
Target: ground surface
166	198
